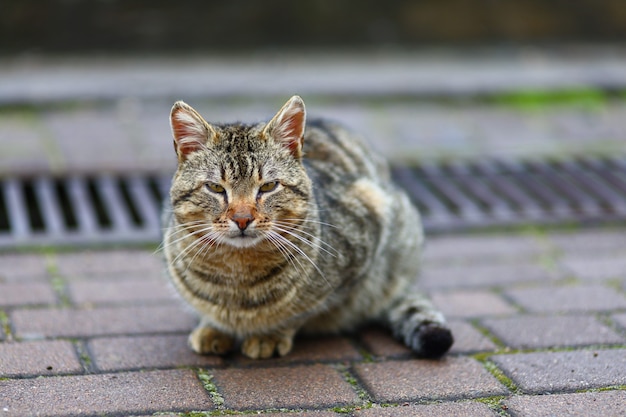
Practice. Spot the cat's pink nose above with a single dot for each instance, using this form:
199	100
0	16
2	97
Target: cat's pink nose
242	219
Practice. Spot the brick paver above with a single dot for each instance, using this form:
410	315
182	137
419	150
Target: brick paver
38	358
15	294
120	393
467	339
279	387
313	349
465	408
605	403
139	352
471	303
472	249
119	291
582	243
485	274
114	263
549	372
21	267
414	380
38	323
537	332
596	268
568	298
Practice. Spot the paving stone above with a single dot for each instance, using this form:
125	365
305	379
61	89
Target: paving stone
381	343
587	242
15	294
114	263
315	386
531	332
545	372
464	408
566	299
120	291
480	248
483	275
604	403
38	358
469	340
140	352
595	269
412	380
620	319
24	151
313	349
107	139
110	394
39	323
20	267
471	303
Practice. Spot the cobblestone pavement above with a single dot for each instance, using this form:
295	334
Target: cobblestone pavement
539	315
539	320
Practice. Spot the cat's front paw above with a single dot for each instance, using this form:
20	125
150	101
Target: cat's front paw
206	340
262	347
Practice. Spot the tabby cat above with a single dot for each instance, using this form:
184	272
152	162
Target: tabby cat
276	228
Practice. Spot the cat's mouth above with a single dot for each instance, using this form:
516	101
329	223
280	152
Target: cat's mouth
243	239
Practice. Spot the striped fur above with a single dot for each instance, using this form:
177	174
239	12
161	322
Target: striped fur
271	232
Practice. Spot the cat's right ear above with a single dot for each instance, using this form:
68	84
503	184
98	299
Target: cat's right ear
191	132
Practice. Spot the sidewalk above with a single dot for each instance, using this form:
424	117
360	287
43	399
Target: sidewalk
99	333
539	316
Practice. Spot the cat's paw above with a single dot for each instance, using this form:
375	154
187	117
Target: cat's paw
264	346
205	340
431	340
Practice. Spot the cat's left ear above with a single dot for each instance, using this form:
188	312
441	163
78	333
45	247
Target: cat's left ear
287	127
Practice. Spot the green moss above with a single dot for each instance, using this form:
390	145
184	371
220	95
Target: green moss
609	388
207	381
500	376
533	100
4	323
495	404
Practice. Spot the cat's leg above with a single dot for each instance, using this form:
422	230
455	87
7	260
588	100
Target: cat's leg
264	346
416	322
204	339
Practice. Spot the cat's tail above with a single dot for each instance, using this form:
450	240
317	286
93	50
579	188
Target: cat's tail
417	323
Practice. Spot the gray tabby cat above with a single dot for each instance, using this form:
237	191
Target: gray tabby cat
276	228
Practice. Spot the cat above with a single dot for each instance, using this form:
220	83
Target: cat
287	226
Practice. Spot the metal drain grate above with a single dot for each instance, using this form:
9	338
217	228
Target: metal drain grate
455	196
492	193
81	210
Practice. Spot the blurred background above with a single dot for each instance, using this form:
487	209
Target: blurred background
86	87
239	26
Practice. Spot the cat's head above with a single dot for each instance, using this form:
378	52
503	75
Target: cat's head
239	185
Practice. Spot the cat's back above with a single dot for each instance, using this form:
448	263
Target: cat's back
338	154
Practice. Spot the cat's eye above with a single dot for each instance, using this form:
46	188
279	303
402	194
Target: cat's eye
268	186
216	188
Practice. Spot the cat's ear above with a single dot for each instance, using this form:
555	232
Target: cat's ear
191	132
287	127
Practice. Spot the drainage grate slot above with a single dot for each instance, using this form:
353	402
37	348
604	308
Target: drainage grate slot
96	201
5	227
66	208
31	202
